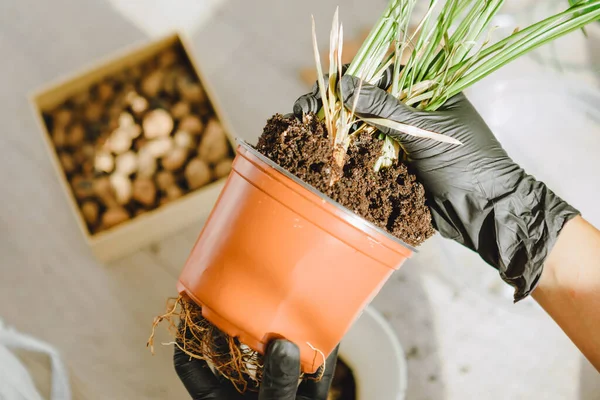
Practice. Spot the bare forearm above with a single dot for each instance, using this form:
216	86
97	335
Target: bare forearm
569	289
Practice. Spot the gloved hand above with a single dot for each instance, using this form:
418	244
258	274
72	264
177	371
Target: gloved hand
280	377
478	196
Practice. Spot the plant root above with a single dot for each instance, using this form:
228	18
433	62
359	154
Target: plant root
198	338
317	376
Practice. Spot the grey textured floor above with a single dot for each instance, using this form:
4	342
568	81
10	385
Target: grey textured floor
99	315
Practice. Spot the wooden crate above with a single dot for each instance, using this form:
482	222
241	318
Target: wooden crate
152	225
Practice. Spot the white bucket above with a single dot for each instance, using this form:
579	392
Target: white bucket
372	350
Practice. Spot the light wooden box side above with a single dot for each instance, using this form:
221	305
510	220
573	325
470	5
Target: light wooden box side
155	224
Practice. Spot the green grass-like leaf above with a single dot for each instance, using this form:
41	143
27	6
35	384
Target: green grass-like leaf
446	55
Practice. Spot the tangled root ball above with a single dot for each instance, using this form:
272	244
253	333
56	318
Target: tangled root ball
200	339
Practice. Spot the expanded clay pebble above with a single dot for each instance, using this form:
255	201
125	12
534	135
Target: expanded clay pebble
165	179
67	162
105	91
191	124
59	136
81	99
113	119
133	73
93	111
104	162
87	151
184	139
114	216
146	163
62	117
175	158
173	192
223	168
197	173
157	123
119	141
180	110
158	147
167	58
84	157
102	186
129	95
139	105
169	84
82	187
190	91
122	188
75	135
152	83
144	191
126	163
126	119
133	131
103	190
87	167
213	146
90	211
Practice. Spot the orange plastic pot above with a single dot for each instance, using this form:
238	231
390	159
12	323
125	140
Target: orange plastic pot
278	259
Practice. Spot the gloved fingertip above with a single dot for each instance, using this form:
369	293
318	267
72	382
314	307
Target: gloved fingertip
364	98
306	104
298	111
281	371
386	78
283	357
348	86
196	376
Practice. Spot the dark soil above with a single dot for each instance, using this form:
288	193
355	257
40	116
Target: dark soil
343	386
391	198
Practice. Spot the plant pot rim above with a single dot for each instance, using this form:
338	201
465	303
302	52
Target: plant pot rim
351	217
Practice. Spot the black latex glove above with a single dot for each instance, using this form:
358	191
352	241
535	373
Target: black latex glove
311	102
478	196
280	377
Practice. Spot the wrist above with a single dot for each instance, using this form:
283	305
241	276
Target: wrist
556	275
569	289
